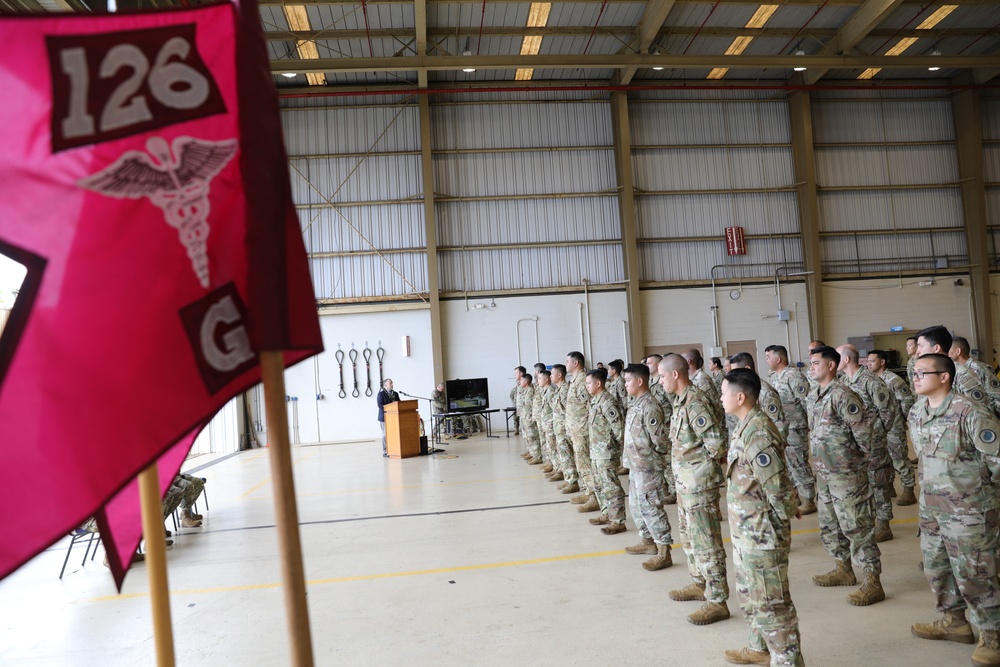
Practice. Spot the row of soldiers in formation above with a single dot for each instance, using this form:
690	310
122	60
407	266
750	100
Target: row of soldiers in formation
785	448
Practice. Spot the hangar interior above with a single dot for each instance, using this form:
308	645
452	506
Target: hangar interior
488	184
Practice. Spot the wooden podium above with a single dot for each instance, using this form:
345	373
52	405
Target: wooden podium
402	430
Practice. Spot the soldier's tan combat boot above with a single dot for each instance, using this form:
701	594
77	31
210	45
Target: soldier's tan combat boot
614	527
747	656
572	487
907	497
693	592
952	627
670	499
987	651
647	546
661	560
807	507
622	471
534	461
590	506
710	612
525	455
869	593
547	468
883	533
557	476
580	499
843	575
600	520
187	521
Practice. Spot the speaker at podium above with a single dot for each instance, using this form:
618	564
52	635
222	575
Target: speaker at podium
402	430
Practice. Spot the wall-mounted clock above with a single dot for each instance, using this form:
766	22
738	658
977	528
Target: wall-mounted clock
734	294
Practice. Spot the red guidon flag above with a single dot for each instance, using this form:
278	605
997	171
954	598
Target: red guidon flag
144	184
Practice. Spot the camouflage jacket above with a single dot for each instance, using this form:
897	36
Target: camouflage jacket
761	498
607	424
513	398
989	382
559	404
904	401
909	369
967	384
793	388
439	400
957	443
665	400
717	378
770	403
577	399
645	441
698	447
617	389
838	431
543	406
526	402
880	411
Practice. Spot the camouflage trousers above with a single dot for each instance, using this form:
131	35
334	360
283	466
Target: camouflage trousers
670	487
580	436
900	455
610	494
880	482
797	457
564	452
517	424
960	562
762	587
699	523
645	499
548	437
183	493
847	519
531	437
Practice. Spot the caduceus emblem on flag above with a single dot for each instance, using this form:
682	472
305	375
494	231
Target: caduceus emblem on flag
179	187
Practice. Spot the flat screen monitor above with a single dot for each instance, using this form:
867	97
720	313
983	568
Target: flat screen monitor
467	395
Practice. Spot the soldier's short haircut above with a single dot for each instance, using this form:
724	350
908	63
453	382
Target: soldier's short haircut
941	363
779	350
743	360
962	343
881	354
744	381
827	353
599	374
546	373
675	362
523	370
560	368
617	364
578	356
850	352
693	355
715	361
909	338
654	358
640	370
528	376
937	335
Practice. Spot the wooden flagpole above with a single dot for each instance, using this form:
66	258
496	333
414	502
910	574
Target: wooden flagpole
156	563
285	509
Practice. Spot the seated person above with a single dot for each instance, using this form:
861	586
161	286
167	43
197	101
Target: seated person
183	493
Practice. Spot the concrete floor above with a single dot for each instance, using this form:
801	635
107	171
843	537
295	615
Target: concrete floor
467	557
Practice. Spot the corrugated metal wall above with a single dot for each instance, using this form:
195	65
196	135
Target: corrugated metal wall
991	172
887	172
525	195
706	163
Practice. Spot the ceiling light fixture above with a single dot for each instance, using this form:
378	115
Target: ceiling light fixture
934	68
288	75
939	15
800	52
657	68
468	70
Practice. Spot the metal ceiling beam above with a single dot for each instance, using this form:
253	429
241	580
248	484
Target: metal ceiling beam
420	21
647	30
700	61
862	22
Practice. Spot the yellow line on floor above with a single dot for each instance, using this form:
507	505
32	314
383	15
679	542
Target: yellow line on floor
406	486
413	573
253	458
268	479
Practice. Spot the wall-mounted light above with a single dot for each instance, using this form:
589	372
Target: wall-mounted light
468	70
800	52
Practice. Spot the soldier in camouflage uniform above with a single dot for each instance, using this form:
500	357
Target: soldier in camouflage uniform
761	501
769	400
616	385
644	453
938	340
543	414
716	373
577	420
701	379
665	400
957	441
911	353
793	389
528	433
607	422
518	372
960	353
183	493
698	451
880	411
564	447
878	364
840	439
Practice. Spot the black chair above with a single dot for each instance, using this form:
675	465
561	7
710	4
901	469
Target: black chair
81	535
